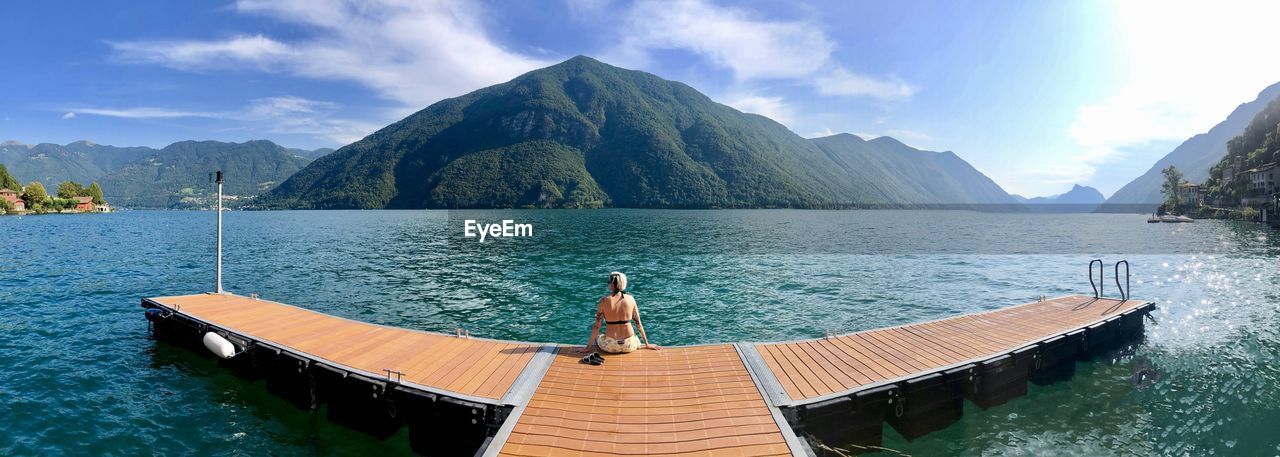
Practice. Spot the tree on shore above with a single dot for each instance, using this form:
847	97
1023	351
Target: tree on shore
1172	181
7	181
95	191
34	195
70	189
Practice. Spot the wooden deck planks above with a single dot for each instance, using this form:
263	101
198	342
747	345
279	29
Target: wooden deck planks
697	400
811	369
471	367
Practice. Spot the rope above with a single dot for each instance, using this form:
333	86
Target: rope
842	452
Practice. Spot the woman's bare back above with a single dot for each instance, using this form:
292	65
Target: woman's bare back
618	307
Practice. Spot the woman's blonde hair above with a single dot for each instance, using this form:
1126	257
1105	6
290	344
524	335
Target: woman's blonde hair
619	281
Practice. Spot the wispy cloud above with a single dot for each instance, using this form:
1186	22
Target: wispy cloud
775	108
284	115
296	115
413	53
141	112
821	133
752	47
843	82
203	55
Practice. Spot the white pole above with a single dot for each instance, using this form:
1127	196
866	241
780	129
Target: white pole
219	274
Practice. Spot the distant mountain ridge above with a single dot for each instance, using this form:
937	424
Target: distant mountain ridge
177	176
52	163
922	177
310	154
586	134
1193	157
1080	199
148	177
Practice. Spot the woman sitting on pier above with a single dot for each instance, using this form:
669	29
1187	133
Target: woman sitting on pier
617	310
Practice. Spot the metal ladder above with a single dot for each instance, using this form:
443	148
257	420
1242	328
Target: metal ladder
1098	287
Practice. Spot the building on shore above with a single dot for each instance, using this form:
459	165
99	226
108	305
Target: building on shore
12	197
1191	194
103	208
84	204
1229	171
1260	184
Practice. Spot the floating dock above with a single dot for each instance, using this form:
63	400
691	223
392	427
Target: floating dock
460	395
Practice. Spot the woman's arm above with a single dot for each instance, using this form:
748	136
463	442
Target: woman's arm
595	329
643	337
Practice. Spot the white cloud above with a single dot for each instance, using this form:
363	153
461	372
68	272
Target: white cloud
284	115
296	115
821	133
270	107
414	53
752	47
1189	64
68	115
203	55
143	112
844	82
775	108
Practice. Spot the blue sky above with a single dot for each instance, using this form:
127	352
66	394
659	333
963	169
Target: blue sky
1038	95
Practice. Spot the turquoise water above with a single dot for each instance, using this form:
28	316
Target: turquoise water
82	377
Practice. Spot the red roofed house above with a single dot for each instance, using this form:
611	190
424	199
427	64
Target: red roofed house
12	197
84	204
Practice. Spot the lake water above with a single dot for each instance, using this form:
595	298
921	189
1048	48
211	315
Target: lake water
82	376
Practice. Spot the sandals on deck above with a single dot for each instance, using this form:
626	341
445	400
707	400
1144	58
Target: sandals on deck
592	359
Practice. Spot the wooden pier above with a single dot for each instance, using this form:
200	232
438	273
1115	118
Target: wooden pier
819	369
463	395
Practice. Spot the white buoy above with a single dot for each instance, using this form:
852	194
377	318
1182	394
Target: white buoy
219	346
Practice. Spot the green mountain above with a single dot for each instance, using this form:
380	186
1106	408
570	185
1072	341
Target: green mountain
1193	157
109	158
1257	145
583	134
48	163
129	175
177	176
900	174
